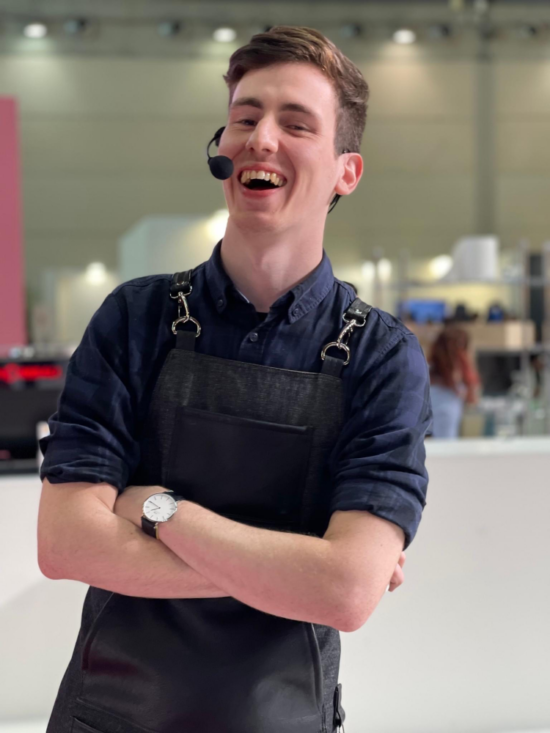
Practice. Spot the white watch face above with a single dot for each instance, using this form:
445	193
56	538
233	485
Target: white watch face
159	507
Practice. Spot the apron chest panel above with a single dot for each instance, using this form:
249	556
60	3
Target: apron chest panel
252	443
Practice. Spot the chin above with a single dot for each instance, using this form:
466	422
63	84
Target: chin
257	220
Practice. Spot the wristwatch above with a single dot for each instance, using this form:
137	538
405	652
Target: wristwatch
159	508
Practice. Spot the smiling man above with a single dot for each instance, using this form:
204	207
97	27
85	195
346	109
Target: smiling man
237	460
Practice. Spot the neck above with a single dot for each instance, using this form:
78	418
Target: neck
264	265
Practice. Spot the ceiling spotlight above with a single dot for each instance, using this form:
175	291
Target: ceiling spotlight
75	26
350	30
440	31
169	28
35	30
404	36
96	273
224	35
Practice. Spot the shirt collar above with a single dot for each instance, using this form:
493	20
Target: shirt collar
297	302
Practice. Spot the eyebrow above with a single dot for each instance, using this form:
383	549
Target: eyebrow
288	107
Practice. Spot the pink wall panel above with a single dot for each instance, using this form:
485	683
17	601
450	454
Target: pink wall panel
12	287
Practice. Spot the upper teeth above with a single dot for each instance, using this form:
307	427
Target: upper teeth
263	175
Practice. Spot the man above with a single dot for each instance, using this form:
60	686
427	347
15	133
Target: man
278	482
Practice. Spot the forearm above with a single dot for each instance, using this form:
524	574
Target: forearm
106	551
290	575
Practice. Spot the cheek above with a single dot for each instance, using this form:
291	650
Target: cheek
229	146
227	188
319	175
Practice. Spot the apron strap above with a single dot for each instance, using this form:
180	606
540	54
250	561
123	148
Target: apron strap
332	366
186	340
358	309
354	317
181	283
180	290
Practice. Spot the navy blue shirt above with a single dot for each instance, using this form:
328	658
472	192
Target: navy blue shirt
378	462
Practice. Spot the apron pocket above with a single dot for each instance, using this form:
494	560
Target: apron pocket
212	665
80	727
249	470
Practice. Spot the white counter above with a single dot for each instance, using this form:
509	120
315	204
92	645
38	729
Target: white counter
474	447
463	645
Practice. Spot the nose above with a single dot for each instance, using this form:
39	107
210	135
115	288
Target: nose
263	138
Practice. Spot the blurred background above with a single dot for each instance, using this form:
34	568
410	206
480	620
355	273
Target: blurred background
106	107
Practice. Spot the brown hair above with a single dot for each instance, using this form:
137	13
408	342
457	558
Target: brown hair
449	356
290	44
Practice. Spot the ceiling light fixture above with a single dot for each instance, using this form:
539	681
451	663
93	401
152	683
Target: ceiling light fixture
96	273
440	266
224	35
404	36
35	30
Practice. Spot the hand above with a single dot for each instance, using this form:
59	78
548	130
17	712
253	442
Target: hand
398	577
129	504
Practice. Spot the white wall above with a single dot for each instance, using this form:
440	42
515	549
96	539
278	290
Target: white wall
463	645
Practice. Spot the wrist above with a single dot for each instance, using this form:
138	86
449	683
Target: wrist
158	509
168	530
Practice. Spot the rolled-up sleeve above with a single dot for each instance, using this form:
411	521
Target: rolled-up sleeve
378	464
92	433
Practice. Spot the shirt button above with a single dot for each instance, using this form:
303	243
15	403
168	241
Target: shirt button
296	312
253	337
220	303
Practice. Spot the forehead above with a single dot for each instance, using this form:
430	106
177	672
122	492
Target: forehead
288	86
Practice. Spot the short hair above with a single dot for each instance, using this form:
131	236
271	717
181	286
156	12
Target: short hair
293	44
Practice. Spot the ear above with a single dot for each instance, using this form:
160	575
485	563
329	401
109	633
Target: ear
350	175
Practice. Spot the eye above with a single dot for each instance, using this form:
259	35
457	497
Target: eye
297	127
245	122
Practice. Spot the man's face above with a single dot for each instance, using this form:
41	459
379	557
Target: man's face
282	120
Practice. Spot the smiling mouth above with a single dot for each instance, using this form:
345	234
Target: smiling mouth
261	180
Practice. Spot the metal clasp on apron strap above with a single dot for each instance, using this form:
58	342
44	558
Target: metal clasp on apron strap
344	334
180	289
354	317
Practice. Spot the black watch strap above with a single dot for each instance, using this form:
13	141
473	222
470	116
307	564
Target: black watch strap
176	497
149	527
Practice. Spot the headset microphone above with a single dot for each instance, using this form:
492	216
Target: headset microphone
221	166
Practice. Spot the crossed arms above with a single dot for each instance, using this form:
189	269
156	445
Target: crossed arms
87	532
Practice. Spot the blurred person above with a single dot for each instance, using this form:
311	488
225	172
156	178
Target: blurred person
237	461
454	381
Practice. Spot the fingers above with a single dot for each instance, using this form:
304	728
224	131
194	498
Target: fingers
396	579
398	576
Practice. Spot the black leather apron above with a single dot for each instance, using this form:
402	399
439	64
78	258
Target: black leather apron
251	443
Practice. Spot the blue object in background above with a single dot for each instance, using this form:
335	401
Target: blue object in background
422	311
495	313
